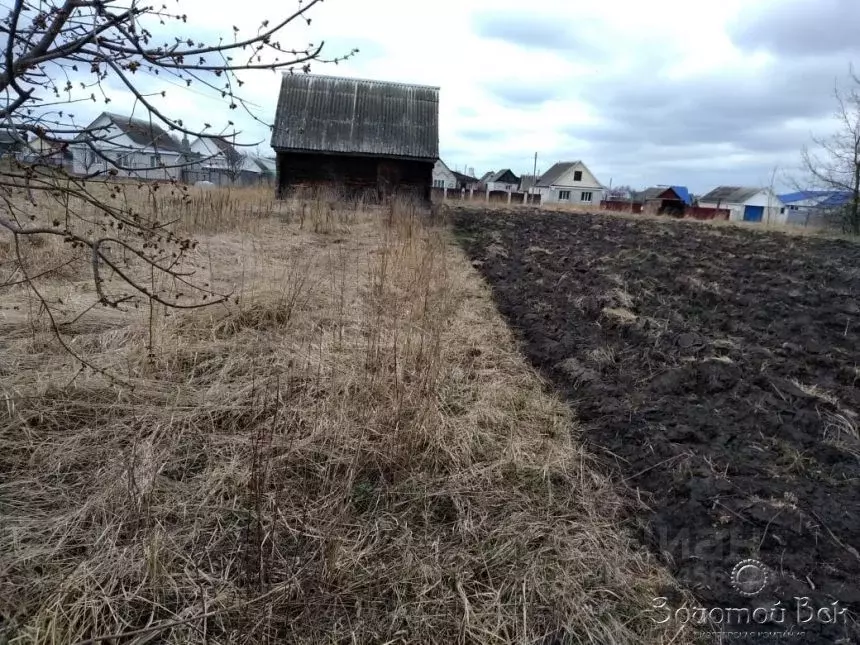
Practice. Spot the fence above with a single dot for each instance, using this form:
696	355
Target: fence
483	195
699	212
191	175
691	212
621	206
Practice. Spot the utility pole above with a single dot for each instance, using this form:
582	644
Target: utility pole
534	175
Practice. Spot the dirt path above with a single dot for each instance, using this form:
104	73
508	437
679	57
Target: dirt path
717	369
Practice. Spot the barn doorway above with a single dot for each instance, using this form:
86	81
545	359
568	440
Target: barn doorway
387	179
753	213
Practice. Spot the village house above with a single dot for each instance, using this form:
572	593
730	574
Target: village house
747	204
130	146
39	151
569	183
814	207
219	161
12	141
443	177
360	137
466	182
268	168
503	180
527	182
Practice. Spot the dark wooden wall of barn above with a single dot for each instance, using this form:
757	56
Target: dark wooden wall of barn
352	175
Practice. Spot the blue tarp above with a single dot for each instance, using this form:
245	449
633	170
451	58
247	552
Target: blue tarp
683	193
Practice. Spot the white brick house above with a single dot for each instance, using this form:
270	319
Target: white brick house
569	183
443	177
132	147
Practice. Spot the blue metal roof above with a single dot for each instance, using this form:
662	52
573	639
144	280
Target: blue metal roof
820	198
839	198
804	195
683	193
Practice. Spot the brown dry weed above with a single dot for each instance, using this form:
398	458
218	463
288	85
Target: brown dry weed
353	451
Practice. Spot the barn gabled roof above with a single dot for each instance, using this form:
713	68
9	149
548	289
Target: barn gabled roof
557	170
330	114
730	194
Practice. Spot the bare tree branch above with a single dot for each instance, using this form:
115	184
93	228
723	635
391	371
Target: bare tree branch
835	163
59	53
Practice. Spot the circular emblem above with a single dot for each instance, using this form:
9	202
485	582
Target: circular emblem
750	577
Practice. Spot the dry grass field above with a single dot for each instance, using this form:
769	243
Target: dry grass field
350	450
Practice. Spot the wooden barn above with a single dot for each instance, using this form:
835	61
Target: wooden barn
361	137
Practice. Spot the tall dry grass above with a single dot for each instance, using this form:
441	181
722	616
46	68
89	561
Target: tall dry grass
352	450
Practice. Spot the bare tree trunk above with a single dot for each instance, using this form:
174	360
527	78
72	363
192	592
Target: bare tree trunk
854	218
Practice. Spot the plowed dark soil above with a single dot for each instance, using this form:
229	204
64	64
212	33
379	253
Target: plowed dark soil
717	371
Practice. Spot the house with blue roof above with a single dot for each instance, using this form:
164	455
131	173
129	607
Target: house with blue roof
664	200
684	194
810	207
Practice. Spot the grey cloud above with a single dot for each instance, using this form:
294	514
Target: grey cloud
800	27
723	127
539	32
522	93
474	134
749	111
704	130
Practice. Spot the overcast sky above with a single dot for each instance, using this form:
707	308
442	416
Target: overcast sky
661	92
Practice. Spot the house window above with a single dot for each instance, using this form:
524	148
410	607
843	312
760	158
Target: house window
782	211
438	183
586	197
154	161
577	175
563	195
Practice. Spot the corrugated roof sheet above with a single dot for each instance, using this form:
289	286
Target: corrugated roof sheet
357	116
465	178
730	194
501	173
550	176
226	148
821	197
837	198
144	132
527	181
266	164
653	192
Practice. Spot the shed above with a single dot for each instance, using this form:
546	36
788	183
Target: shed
747	204
360	136
663	200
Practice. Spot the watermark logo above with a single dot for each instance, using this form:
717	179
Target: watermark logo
750	577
